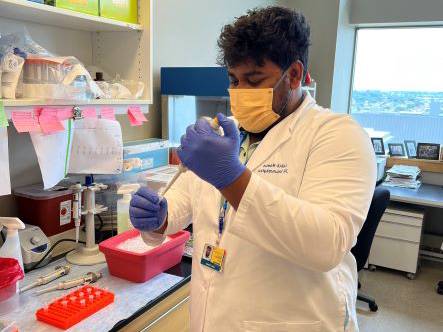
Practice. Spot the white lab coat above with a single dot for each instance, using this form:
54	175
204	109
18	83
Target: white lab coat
288	265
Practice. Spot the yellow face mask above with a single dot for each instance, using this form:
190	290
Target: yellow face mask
253	107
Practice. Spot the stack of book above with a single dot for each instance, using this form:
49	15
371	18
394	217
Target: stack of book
403	176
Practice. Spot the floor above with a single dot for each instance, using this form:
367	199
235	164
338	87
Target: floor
403	305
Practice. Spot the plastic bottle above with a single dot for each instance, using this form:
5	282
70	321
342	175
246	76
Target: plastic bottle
11	248
123	221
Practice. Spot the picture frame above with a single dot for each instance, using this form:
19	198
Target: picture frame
396	150
411	148
378	145
429	151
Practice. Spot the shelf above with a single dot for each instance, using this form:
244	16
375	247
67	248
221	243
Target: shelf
434	166
38	13
37	102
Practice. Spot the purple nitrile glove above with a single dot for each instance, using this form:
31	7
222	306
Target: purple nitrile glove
212	157
147	211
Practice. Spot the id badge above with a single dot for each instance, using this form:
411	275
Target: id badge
213	257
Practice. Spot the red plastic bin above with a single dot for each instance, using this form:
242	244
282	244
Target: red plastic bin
140	267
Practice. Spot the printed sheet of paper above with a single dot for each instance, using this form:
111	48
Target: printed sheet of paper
97	147
53	154
5	183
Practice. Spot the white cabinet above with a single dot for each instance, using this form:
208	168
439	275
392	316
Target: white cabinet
116	47
397	240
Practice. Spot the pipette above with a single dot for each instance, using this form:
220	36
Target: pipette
181	168
89	278
60	271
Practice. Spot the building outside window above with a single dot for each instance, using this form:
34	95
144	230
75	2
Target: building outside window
397	90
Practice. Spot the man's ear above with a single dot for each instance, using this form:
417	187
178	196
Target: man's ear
296	71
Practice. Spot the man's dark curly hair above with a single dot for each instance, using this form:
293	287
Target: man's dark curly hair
278	34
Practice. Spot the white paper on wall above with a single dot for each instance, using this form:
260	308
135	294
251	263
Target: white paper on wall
53	154
97	147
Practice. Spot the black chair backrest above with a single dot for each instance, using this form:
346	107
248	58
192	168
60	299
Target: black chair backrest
361	250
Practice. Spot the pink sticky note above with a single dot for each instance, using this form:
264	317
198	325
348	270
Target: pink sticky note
49	121
107	113
89	113
136	116
65	114
25	122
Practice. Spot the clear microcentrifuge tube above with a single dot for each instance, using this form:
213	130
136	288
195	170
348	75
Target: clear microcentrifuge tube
64	303
81	294
91	298
98	293
73	298
89	290
82	302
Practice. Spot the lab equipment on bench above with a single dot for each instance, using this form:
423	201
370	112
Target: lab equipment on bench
123	221
11	246
48	209
35	244
140	267
89	254
189	93
74	307
77	208
59	272
139	156
89	278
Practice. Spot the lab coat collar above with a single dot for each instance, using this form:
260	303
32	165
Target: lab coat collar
279	134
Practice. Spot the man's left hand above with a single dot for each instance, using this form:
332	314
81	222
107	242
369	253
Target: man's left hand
212	157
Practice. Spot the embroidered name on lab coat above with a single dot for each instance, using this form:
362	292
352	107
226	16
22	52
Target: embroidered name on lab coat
274	168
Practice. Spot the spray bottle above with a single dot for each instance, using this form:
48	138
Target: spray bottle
123	220
11	248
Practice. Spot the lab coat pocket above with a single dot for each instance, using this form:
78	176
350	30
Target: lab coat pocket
251	326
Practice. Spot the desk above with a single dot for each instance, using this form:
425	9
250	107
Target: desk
427	195
399	235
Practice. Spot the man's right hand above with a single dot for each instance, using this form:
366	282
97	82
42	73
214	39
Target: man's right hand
147	211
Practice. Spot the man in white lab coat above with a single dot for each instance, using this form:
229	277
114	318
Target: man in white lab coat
280	204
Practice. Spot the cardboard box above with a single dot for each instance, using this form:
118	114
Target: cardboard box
90	7
120	10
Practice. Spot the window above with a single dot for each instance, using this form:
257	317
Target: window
398	83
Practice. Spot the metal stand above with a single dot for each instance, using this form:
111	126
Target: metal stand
89	254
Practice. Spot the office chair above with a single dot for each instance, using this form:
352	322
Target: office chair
362	248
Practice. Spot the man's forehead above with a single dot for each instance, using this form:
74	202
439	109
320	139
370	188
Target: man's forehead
249	68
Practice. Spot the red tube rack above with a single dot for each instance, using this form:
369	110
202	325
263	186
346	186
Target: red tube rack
68	310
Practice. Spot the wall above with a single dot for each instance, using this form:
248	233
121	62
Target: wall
396	11
323	17
185	35
344	58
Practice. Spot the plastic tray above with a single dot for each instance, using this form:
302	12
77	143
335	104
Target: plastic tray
70	309
142	267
